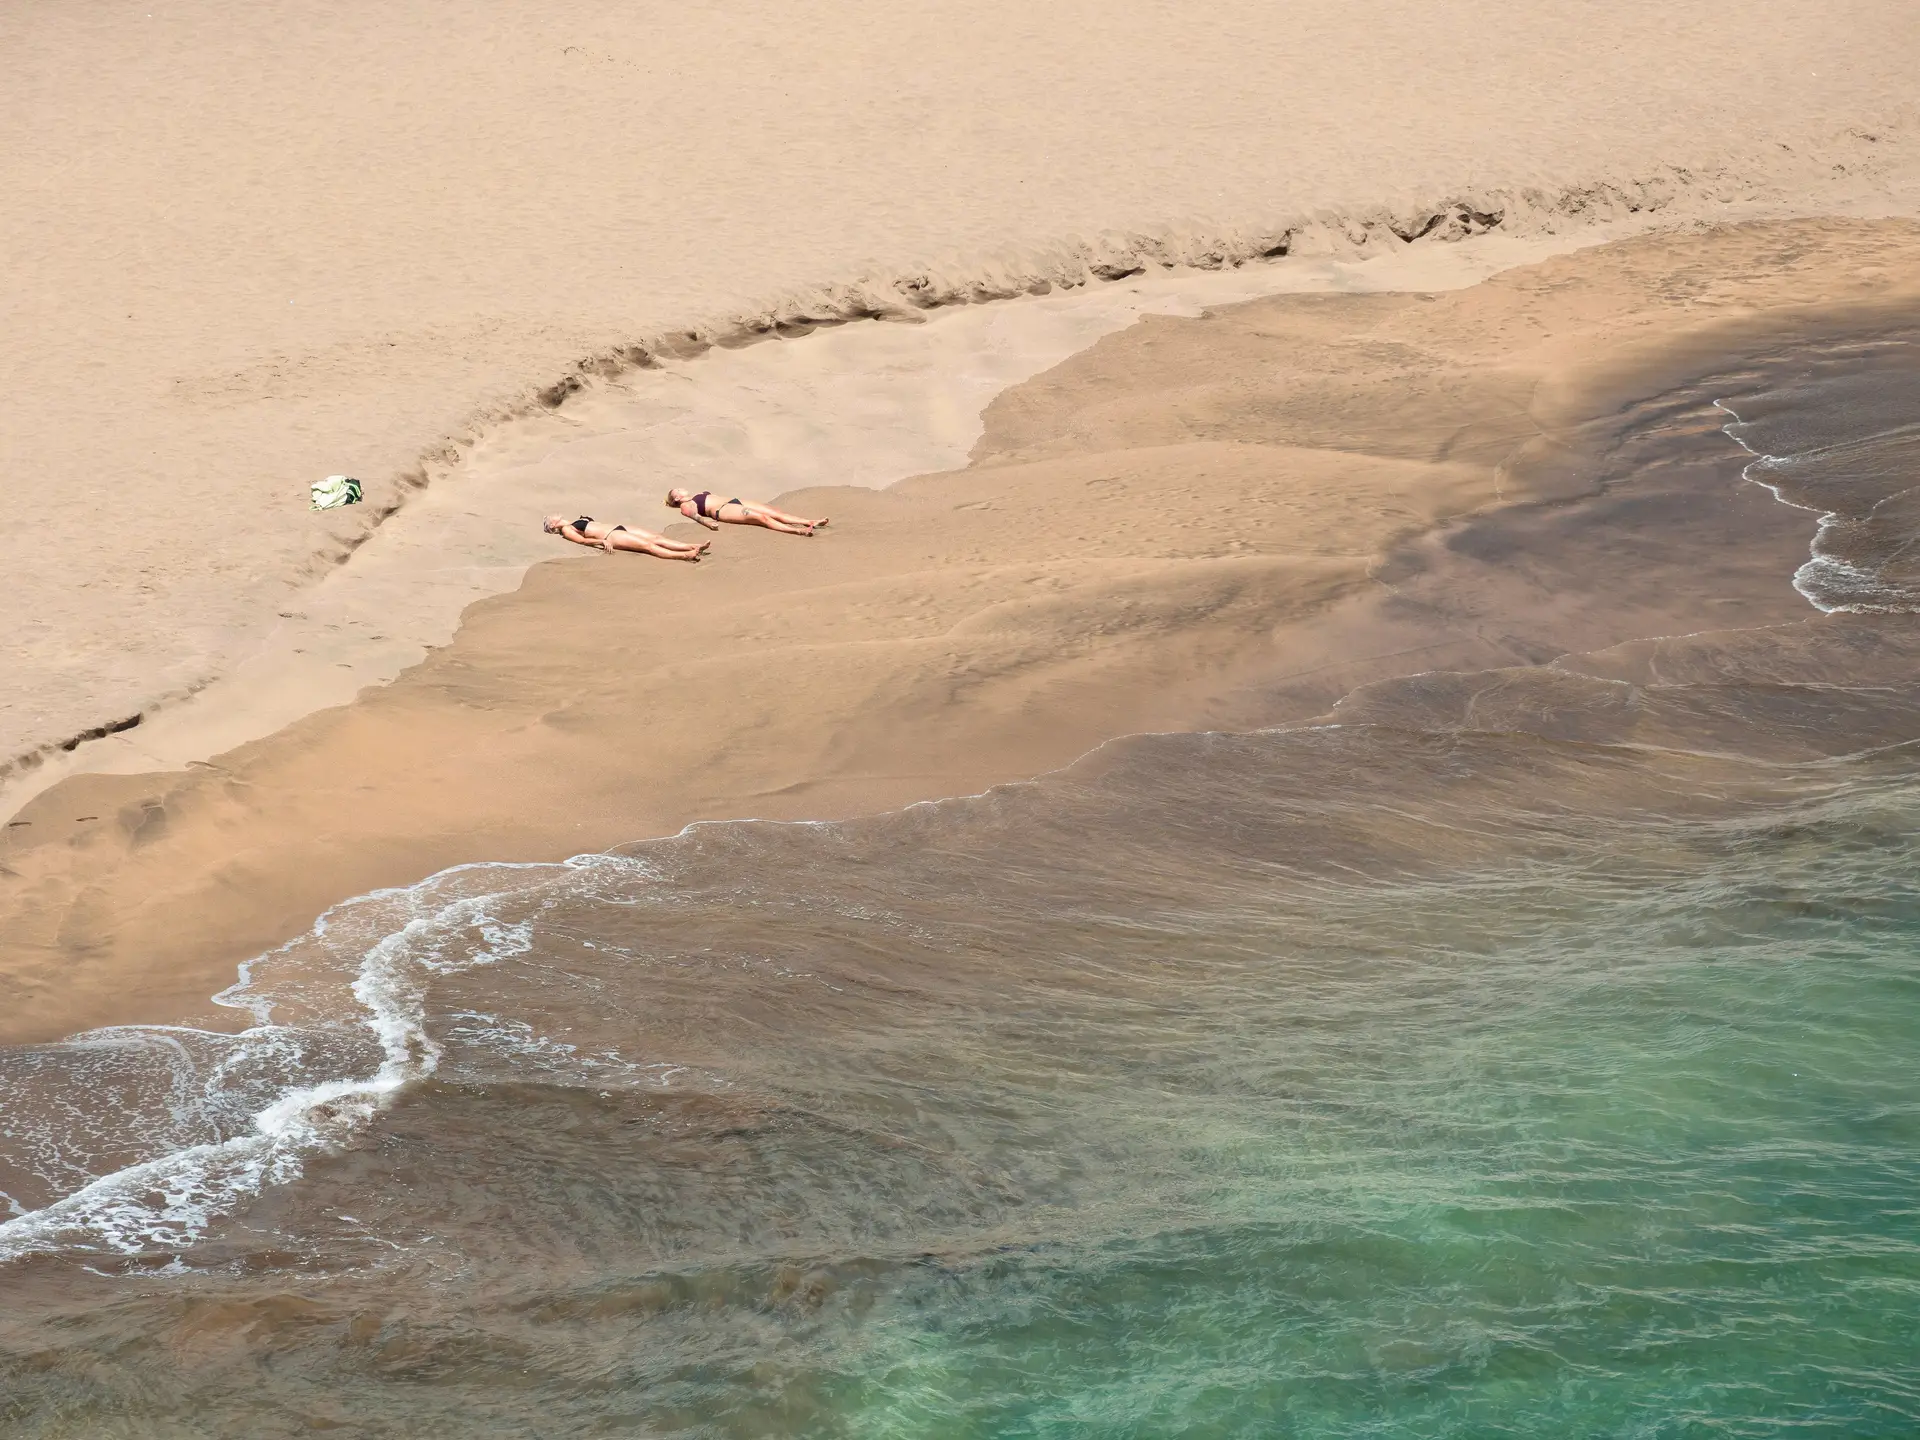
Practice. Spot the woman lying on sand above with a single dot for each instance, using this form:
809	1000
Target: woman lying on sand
589	531
711	512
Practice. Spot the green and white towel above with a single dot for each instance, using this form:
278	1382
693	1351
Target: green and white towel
335	491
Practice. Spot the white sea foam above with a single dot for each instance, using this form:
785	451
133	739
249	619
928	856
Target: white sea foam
1831	584
231	1114
355	952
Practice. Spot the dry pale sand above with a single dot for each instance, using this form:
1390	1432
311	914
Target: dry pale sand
243	246
1176	528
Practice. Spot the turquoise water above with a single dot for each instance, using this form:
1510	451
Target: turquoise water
1677	1199
1643	1164
1529	1051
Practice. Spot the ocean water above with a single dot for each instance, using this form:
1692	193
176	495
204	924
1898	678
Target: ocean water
1526	1050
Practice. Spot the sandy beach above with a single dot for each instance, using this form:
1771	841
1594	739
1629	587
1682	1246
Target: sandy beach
251	246
1323	844
1184	526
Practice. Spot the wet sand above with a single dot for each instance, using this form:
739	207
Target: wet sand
1195	523
250	245
865	405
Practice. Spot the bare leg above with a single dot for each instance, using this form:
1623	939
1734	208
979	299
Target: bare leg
739	512
666	554
639	542
784	527
686	546
799	520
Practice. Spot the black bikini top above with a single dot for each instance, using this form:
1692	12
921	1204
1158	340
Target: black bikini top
582	523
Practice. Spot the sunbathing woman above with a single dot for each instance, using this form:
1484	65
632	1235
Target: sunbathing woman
589	531
711	513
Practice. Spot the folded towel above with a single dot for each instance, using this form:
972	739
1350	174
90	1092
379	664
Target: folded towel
335	491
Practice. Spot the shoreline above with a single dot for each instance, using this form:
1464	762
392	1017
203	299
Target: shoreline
1324	838
939	373
914	666
265	685
1539	221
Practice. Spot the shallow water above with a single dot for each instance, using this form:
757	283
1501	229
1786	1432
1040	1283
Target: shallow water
1524	1050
